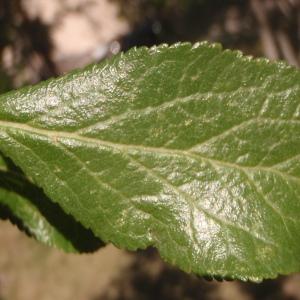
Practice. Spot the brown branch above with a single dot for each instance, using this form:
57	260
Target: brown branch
287	48
266	35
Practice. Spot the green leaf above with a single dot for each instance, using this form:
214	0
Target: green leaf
28	207
190	149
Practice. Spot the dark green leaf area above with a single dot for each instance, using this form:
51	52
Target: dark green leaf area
190	149
26	205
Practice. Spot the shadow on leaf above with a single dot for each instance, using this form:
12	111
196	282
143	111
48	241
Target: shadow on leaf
14	181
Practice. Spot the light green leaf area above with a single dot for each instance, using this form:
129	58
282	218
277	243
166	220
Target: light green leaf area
190	149
28	207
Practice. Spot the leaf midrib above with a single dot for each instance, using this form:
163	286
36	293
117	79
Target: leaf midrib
182	193
157	150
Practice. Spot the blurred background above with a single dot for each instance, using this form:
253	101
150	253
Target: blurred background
46	38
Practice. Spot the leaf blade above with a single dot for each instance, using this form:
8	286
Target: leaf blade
158	147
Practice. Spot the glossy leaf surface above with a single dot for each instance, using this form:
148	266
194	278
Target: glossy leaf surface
190	149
